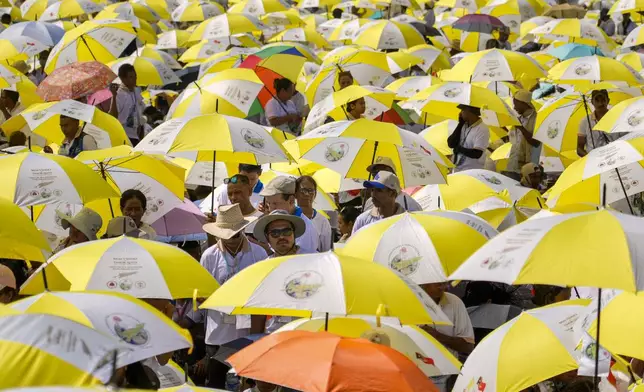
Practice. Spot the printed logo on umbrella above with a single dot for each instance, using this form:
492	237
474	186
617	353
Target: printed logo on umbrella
128	329
303	284
253	139
425	360
492	179
635	118
39	114
553	129
583	69
405	259
452	92
336	151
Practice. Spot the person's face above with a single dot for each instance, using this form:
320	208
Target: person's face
233	242
264	386
6	101
345	227
285	94
600	101
280	236
382	197
345	81
76	236
130	80
468	116
503	36
520	106
359	107
253	177
306	194
535	179
239	193
69	126
7	295
277	202
134	209
435	290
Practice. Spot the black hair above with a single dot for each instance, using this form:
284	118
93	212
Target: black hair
189	245
133	194
545	294
337	13
125	69
298	182
12	95
5	19
62	116
17	139
249	168
345	73
349	214
352	103
282	84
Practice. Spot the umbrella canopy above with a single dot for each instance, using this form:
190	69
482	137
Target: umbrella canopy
570	51
148	71
68	9
388	35
46	33
296	351
19	237
478	23
75	80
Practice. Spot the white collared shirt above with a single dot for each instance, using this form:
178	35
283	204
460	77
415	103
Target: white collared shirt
370	216
222	328
325	233
475	136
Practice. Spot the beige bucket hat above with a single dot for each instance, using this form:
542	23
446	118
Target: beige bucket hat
229	222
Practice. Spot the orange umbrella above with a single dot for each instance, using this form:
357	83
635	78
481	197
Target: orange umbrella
321	361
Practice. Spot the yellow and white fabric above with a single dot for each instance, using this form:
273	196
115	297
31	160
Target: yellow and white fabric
559	119
571	30
347	30
532	23
233	139
143	329
506	361
416	246
583	71
434	59
137	10
230	92
151	52
196	11
43	120
348	147
258	7
417	345
625	116
98	40
626	6
152	270
53	351
149	72
32	9
386	34
19	237
530	253
31	179
509	207
223	26
377	100
494	65
173	39
201	51
229	59
68	9
409	86
301	34
634	38
304	285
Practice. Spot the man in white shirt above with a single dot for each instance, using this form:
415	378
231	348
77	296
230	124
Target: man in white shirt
470	140
588	139
252	172
231	254
385	188
386	164
129	104
281	230
521	135
9	104
458	337
280	195
76	141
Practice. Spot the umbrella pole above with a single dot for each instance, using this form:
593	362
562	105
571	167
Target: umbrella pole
373	159
212	200
87	46
590	128
599	311
44	279
31	212
326	322
109	201
619	178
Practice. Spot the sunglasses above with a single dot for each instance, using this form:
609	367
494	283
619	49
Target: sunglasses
237	179
277	233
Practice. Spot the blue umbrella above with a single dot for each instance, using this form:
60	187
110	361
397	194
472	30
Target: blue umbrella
46	33
571	51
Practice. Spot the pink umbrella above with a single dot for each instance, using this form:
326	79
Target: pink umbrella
186	219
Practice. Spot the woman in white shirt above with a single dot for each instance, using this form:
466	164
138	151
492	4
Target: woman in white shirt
281	111
305	192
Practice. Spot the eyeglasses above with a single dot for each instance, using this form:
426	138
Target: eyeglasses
307	191
237	179
277	233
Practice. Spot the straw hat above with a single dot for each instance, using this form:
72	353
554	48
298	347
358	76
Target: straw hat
87	221
230	221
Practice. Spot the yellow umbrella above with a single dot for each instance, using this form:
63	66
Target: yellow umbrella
19	48
286	18
31	179
154	270
152	52
434	59
69	9
91	41
161	7
226	25
173	39
196	11
229	59
148	71
19	237
386	34
409	86
210	94
532	23
258	7
301	34
139	10
507	11
494	65
199	52
44	120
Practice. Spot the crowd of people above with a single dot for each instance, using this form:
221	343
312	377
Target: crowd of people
248	221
